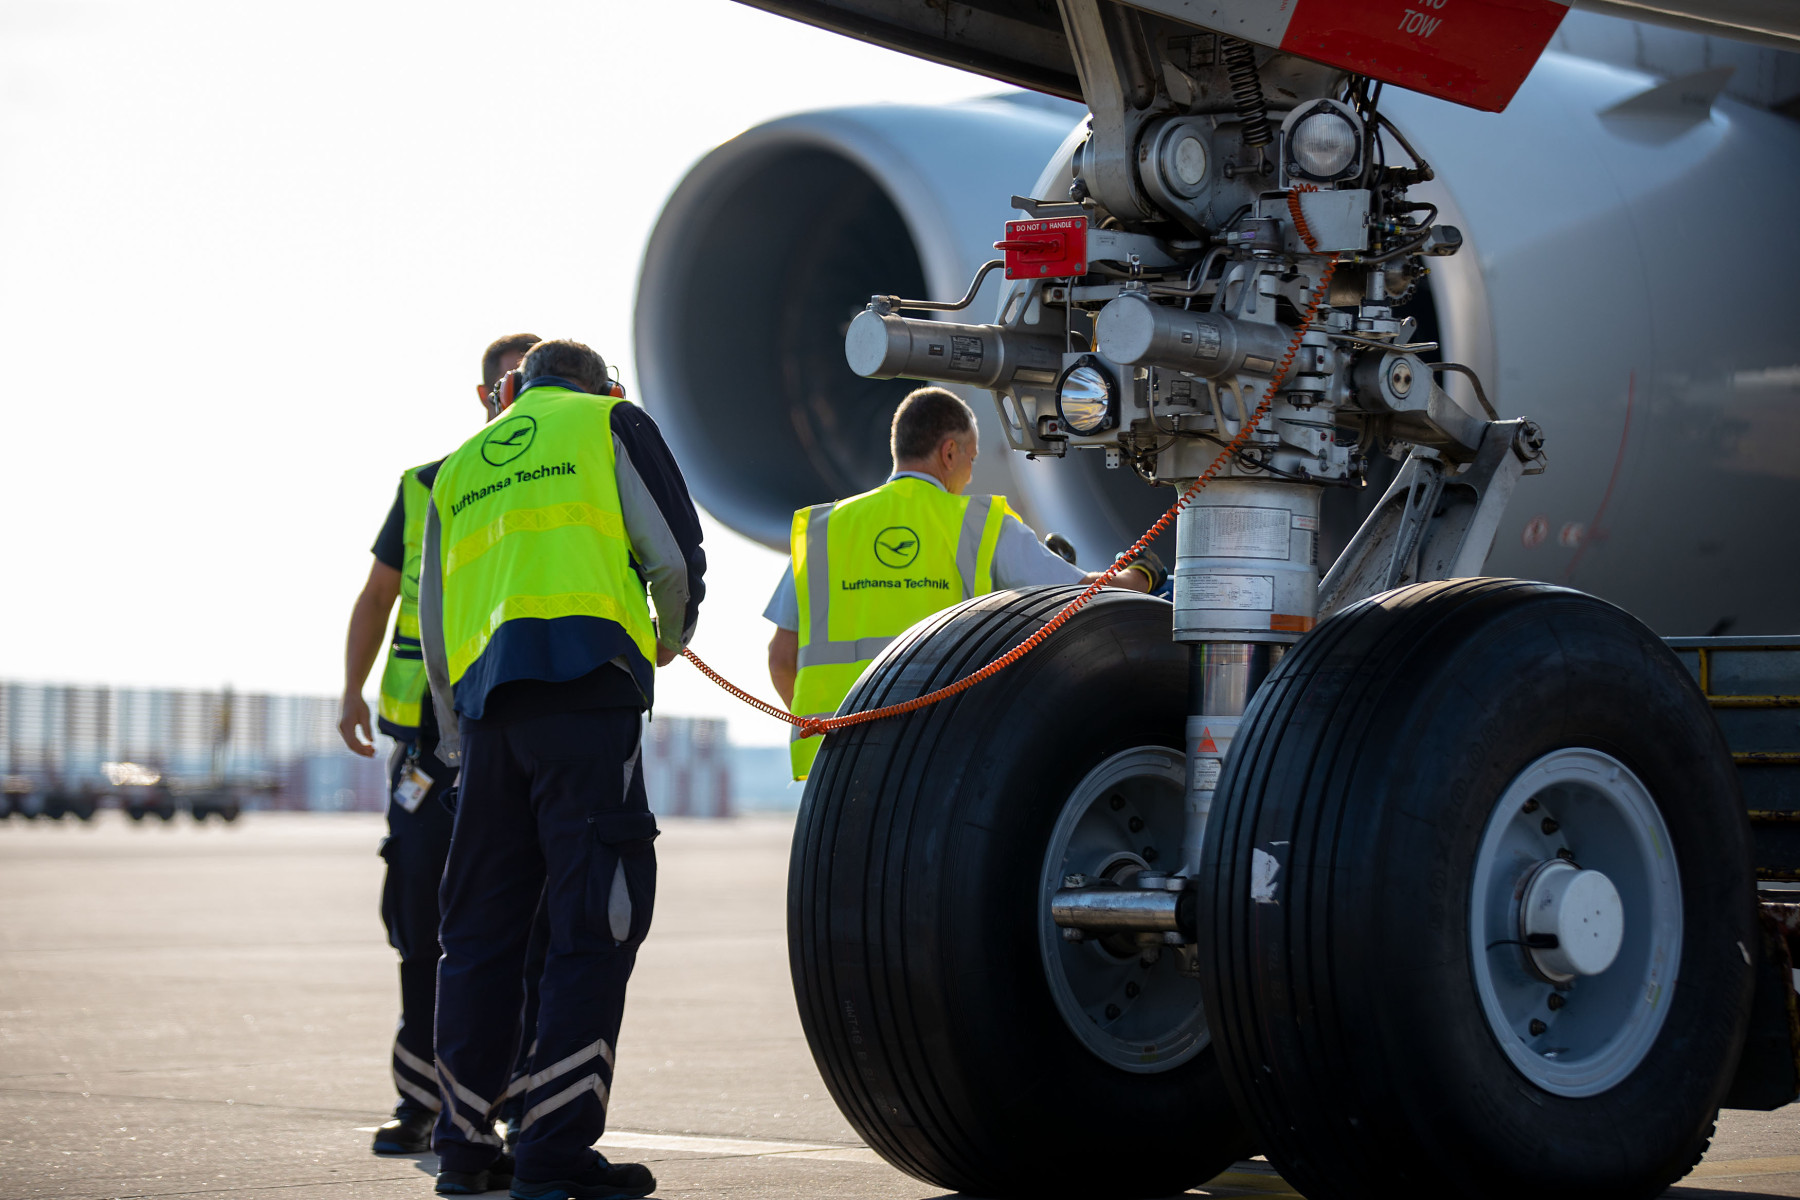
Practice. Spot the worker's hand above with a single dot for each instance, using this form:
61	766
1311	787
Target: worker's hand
354	728
1147	568
666	654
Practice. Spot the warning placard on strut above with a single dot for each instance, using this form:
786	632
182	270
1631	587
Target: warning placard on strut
1206	774
1241	532
1246	592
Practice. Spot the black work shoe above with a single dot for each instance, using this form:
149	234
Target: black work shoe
409	1132
491	1178
602	1181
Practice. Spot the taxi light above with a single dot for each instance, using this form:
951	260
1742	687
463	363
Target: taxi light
1086	397
1324	142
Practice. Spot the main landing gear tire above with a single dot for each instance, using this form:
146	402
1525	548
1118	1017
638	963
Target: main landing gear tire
965	1040
1477	910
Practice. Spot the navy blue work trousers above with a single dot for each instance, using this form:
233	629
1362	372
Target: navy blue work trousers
414	850
551	806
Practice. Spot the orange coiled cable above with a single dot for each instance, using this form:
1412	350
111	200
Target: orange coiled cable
811	726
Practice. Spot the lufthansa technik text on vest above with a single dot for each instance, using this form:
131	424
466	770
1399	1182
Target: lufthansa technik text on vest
856	585
506	481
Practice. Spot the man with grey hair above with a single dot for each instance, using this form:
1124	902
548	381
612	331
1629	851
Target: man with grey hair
541	649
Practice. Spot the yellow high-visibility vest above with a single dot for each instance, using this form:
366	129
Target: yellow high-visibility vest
868	568
403	677
530	527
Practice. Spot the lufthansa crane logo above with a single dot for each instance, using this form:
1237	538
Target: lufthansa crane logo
896	546
507	440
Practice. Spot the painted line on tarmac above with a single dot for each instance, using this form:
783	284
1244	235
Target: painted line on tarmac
626	1139
1259	1182
718	1147
1727	1168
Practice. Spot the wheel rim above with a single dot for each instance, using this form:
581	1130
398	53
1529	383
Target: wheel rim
1139	1017
1575	1034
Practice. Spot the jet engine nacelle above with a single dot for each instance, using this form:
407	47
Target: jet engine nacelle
1624	281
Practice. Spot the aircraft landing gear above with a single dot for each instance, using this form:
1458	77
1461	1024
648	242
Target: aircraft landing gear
964	1037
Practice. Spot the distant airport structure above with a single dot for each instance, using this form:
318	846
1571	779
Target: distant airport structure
69	750
687	767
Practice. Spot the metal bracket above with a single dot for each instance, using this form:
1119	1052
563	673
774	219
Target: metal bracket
1118	80
1434	522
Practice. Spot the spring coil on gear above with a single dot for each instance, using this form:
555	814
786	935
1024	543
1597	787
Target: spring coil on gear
1246	90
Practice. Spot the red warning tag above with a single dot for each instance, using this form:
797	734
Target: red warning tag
1207	745
1055	247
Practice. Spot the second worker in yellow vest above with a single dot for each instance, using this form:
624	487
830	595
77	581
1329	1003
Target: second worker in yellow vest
867	568
418	837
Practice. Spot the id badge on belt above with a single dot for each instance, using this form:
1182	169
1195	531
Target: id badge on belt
410	790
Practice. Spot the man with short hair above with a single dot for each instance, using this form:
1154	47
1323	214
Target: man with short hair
867	568
418	823
542	534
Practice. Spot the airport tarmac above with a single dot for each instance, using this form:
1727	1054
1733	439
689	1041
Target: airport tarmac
206	1011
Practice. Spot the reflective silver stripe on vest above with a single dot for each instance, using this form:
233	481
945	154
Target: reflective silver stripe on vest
821	651
818	581
829	653
968	544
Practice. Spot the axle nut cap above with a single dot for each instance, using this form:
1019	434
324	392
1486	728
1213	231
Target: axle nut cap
1581	909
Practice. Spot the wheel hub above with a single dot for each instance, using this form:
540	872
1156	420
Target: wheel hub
1124	995
1574	921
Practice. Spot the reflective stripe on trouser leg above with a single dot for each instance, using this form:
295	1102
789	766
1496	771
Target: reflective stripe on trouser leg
413	1053
556	1074
512	1103
414	851
471	1115
491	885
593	817
415	1078
566	1100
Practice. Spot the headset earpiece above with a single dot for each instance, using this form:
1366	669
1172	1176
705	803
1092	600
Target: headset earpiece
507	390
503	393
614	388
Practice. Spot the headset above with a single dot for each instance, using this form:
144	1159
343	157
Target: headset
506	389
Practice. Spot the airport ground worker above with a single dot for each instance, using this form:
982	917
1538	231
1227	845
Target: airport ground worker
418	823
542	534
867	568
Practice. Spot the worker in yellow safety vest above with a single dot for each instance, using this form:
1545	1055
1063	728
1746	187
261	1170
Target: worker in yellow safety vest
562	566
418	823
867	568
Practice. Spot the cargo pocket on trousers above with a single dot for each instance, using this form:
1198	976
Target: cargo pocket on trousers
622	885
391	897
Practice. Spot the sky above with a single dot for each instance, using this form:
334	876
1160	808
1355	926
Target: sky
250	255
